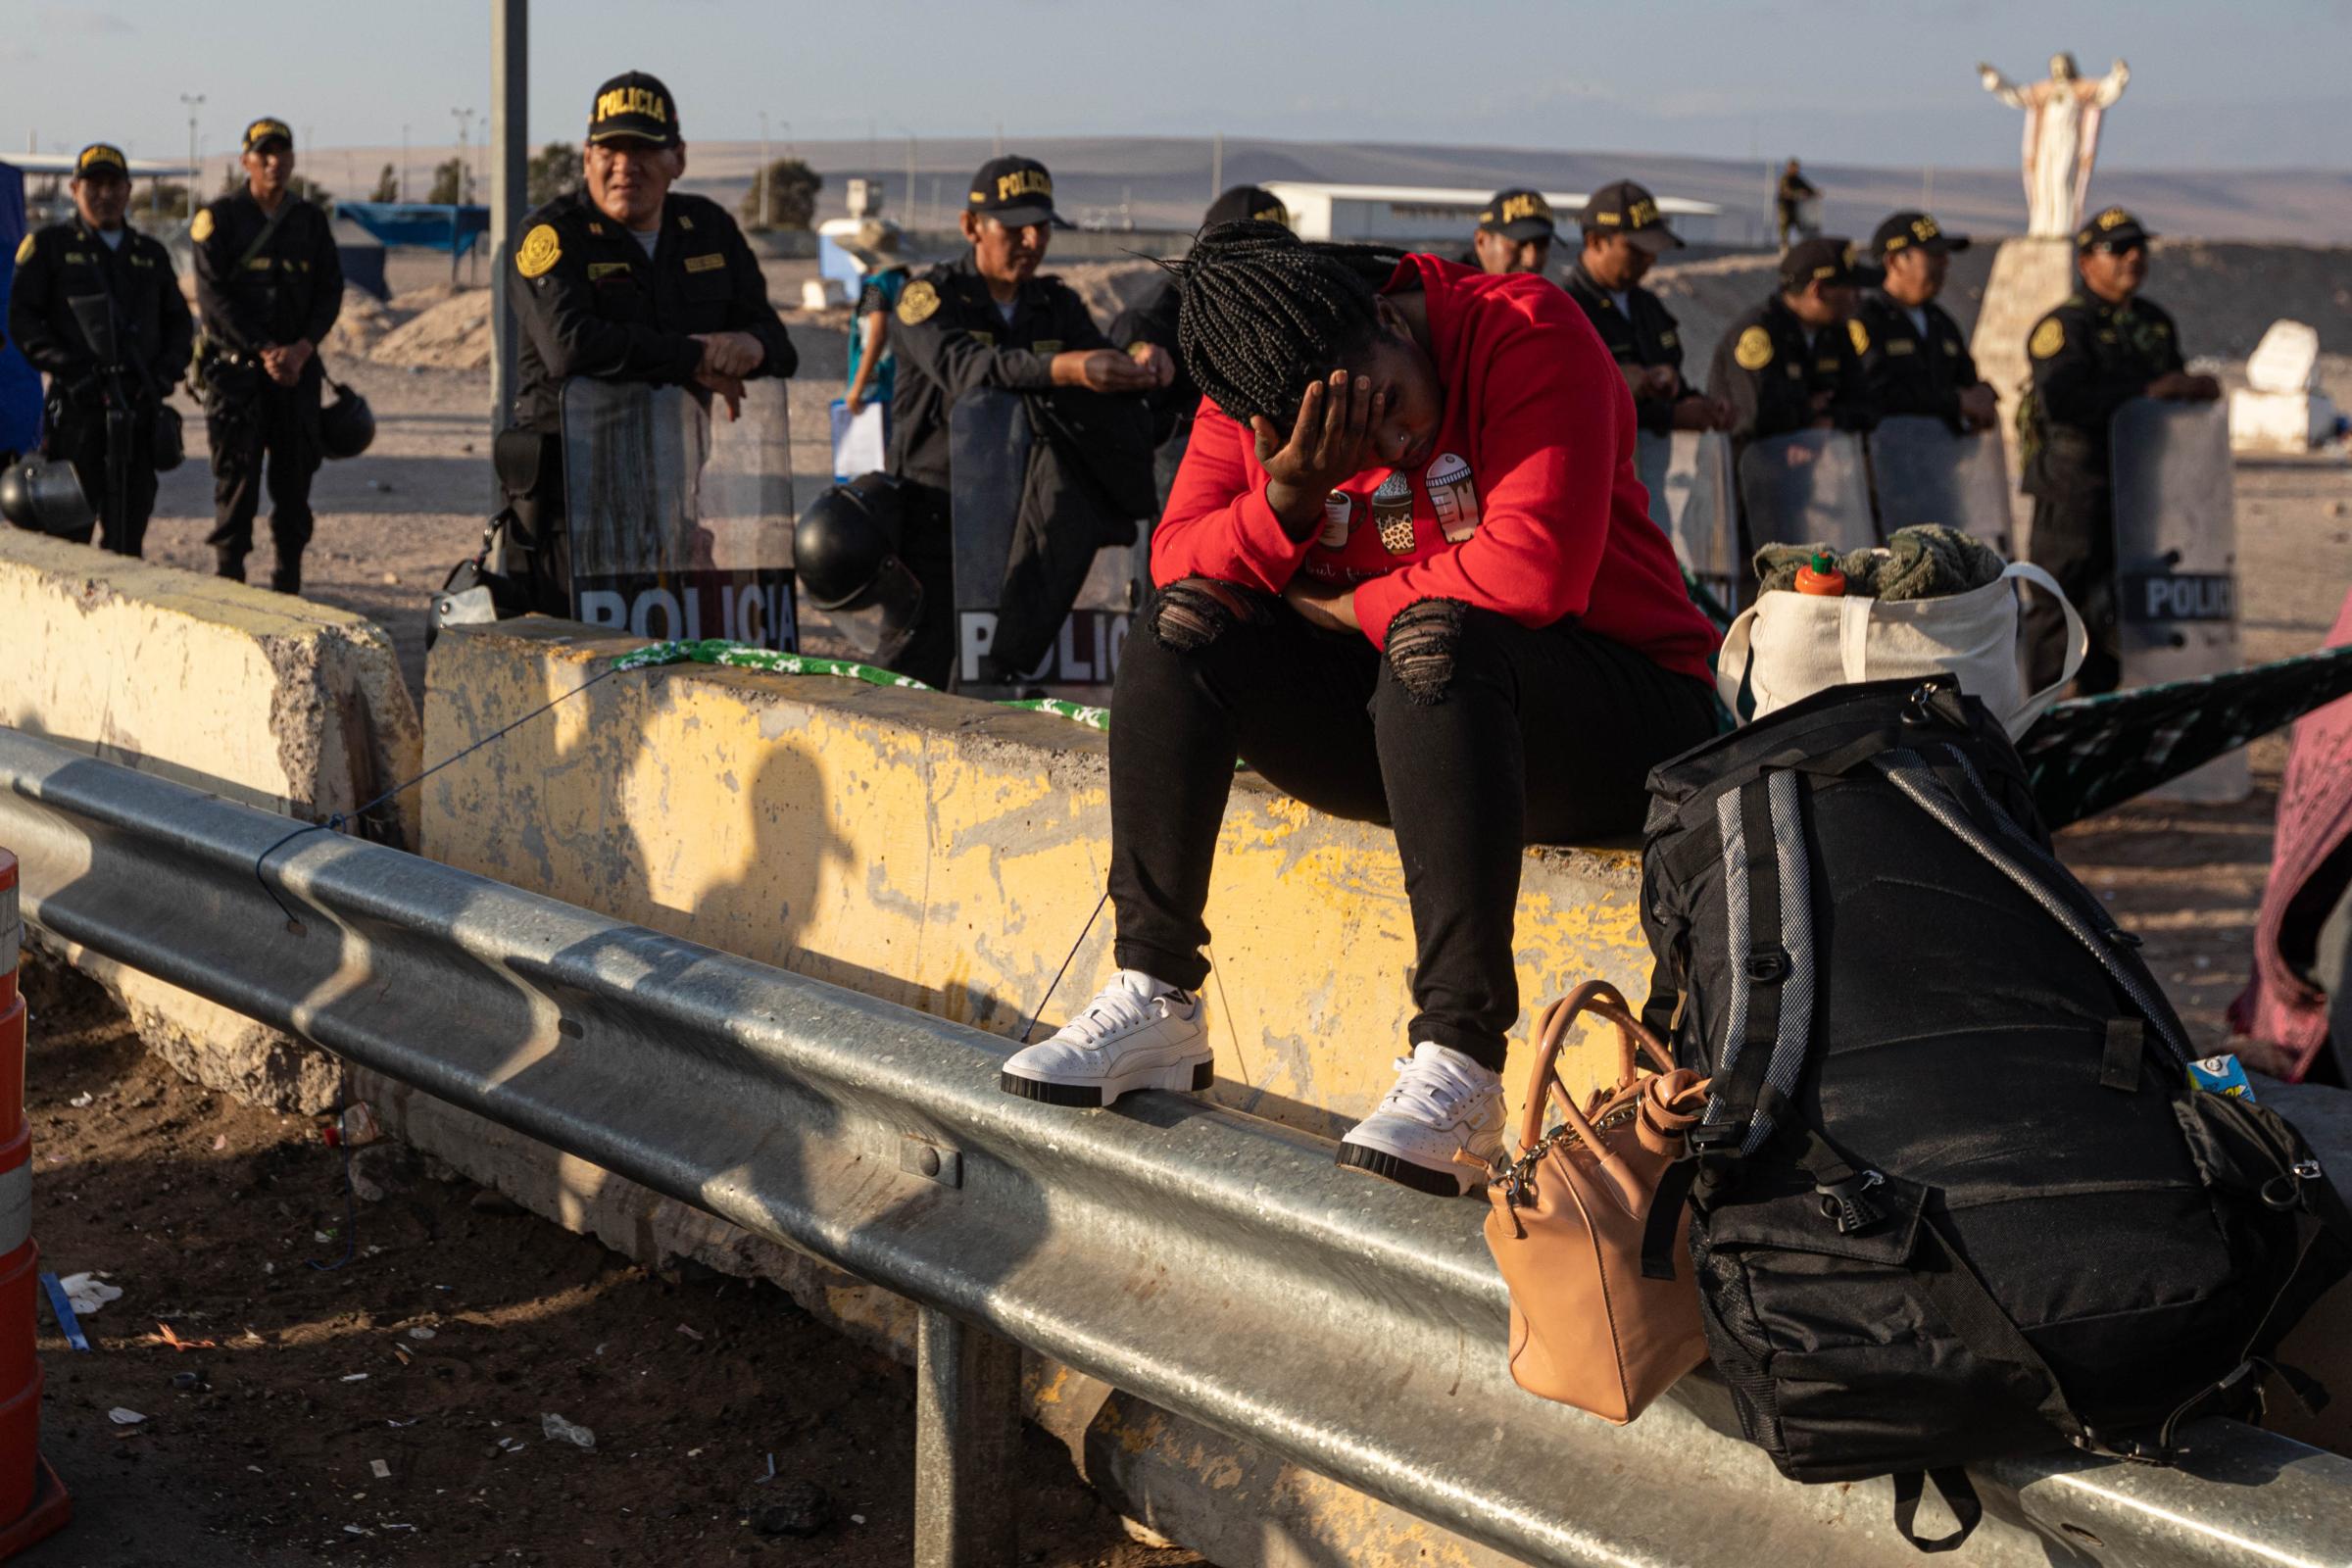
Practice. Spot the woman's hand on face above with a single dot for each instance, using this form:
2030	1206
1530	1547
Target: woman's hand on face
1330	442
1326	606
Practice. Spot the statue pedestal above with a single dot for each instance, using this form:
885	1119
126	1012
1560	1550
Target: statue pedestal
2030	279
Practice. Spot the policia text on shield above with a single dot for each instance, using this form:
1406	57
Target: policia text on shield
97	307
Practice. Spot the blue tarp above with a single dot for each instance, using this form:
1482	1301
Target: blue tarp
420	223
19	382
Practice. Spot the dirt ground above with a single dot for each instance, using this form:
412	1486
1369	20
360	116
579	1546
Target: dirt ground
389	1407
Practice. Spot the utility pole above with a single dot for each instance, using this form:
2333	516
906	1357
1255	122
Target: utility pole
194	102
1216	166
403	189
767	186
509	182
909	177
464	119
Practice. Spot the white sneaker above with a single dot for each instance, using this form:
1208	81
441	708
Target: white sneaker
1442	1103
1137	1034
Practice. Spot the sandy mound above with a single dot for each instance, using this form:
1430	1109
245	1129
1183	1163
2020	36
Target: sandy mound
417	301
453	335
1110	287
364	321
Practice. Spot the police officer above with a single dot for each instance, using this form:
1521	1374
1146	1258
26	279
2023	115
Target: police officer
1788	200
269	284
1515	231
98	308
1155	321
987	320
1624	234
2090	356
1791	362
625	280
1915	358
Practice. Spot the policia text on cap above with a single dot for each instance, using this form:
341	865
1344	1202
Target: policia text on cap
625	280
97	307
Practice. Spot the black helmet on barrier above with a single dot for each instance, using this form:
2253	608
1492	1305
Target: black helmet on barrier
45	495
845	556
346	425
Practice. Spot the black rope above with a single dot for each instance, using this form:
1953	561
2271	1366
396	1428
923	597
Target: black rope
1030	1027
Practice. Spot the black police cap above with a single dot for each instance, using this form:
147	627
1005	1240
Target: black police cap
635	107
1828	261
101	161
1246	203
1623	207
1016	192
2112	229
1518	214
1914	231
262	132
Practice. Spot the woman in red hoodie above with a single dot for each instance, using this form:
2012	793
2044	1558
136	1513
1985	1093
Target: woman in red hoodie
1407	573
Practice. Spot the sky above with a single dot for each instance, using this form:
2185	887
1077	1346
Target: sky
2217	86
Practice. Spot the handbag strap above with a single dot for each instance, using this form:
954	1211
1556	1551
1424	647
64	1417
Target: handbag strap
2078	647
1599	998
1731	661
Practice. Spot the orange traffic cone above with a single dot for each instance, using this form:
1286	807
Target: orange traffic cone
31	1498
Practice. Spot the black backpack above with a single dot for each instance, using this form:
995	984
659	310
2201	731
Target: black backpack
1953	1197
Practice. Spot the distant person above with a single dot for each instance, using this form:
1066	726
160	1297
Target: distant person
986	321
1515	231
1788	205
1624	234
1153	321
99	257
1408	574
2090	357
1915	358
873	365
268	286
622	280
1790	363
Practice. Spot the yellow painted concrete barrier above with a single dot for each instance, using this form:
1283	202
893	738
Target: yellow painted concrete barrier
266	698
946	855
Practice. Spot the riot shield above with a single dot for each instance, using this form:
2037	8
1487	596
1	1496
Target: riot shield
989	437
1923	470
1688	476
1806	487
679	516
2176	558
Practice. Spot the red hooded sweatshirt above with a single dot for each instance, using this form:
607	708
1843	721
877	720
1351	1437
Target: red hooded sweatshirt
1530	505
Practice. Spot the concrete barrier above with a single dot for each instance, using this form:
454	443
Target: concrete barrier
946	855
266	698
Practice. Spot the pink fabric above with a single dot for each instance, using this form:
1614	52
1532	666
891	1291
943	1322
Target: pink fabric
2279	1007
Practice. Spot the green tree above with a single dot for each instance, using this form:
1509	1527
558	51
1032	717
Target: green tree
449	184
796	186
554	171
387	185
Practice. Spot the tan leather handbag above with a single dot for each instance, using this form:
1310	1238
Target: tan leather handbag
1590	1326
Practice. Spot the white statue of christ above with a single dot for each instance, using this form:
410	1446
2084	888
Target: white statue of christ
2062	137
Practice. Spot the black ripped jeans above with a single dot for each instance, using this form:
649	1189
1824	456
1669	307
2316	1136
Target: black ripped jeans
1541	737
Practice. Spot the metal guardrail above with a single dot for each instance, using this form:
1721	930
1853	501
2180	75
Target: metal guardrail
1212	1263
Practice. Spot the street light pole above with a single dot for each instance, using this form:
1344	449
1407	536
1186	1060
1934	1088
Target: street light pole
464	119
509	184
403	190
194	101
767	186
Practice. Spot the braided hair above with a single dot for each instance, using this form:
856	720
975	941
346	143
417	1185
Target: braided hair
1263	314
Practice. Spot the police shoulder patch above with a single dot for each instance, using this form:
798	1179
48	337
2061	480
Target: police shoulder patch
1859	333
2048	338
540	250
202	229
1753	351
25	250
919	303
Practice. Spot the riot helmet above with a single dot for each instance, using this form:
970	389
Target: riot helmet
347	425
45	495
845	556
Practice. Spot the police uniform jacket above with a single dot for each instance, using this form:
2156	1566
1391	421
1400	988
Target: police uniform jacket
1768	365
589	302
1908	373
2088	359
291	289
951	338
1155	320
1642	334
132	286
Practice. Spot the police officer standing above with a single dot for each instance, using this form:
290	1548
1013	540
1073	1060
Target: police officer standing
2090	356
1515	231
1788	200
97	307
269	284
625	280
1915	358
987	320
1624	234
1791	364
